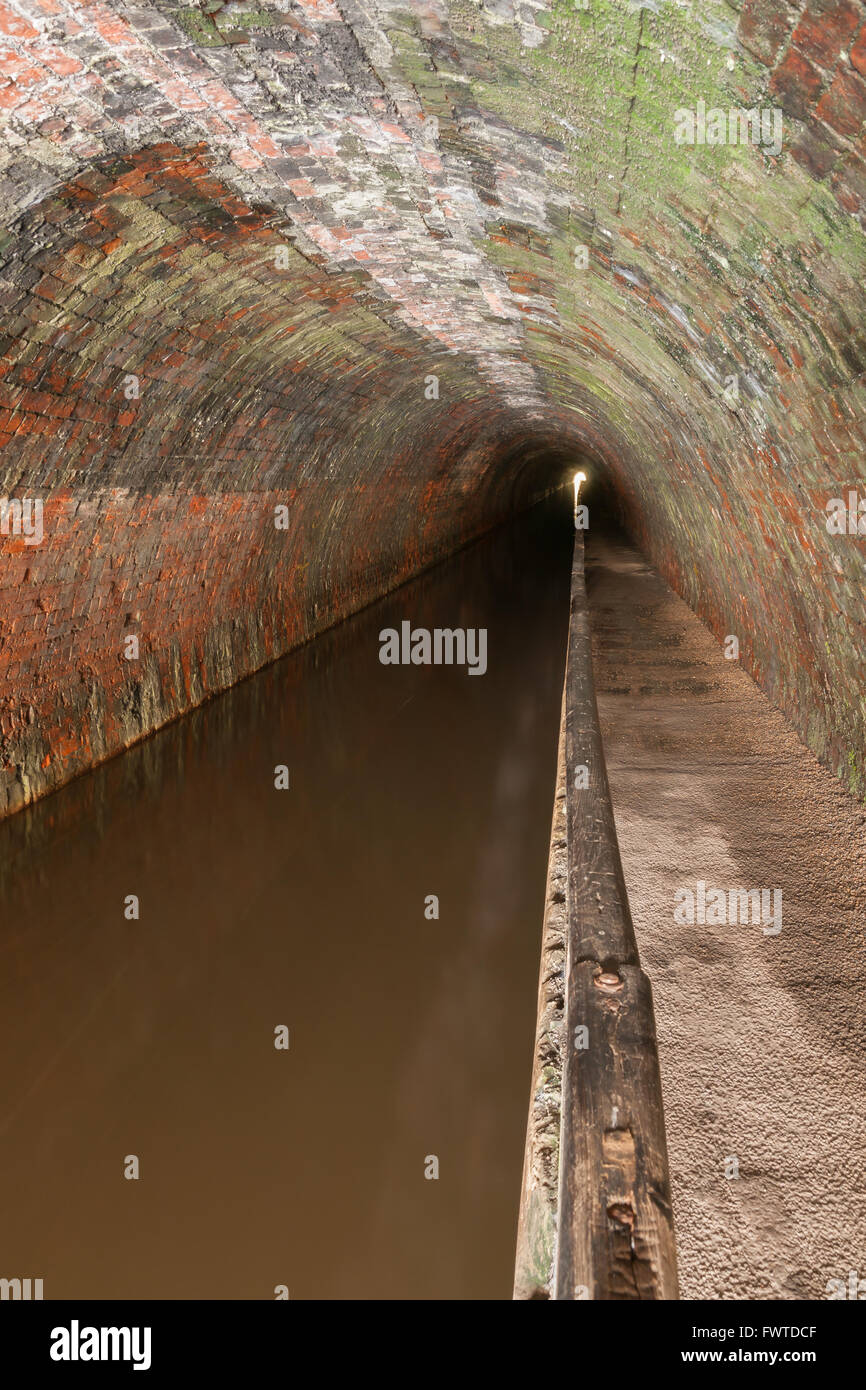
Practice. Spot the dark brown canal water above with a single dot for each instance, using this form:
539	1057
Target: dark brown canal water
409	1037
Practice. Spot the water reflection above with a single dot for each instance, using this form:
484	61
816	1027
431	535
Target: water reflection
409	1037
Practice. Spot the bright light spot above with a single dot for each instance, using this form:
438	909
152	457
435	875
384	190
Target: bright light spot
578	479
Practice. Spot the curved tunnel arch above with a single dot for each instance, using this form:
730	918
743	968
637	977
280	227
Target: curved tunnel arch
430	190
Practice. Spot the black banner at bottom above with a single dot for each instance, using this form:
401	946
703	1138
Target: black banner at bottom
161	1339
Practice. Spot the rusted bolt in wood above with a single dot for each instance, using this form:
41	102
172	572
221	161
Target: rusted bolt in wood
607	980
622	1213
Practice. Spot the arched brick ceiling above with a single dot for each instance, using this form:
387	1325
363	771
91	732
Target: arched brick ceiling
431	172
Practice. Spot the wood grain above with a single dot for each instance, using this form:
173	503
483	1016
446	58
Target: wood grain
614	1223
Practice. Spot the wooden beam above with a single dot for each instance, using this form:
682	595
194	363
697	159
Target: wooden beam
614	1236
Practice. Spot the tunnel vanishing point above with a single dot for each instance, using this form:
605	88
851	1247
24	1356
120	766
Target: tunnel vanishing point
299	297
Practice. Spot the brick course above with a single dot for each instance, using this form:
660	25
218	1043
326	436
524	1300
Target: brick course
430	173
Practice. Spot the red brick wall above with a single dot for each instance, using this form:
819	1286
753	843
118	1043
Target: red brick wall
435	172
258	387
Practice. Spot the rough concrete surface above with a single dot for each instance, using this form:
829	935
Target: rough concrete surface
761	1036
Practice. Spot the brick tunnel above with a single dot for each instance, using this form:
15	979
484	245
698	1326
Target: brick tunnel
299	298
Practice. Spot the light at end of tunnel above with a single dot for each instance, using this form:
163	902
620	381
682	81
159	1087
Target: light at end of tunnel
578	479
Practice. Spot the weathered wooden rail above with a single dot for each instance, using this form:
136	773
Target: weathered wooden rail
595	1215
